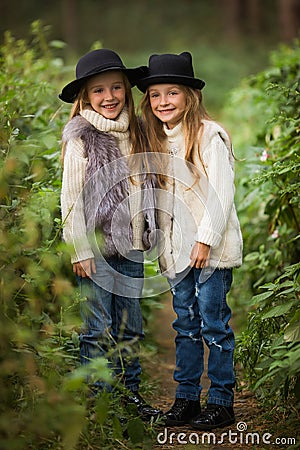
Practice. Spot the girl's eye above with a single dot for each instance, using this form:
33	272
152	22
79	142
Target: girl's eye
153	95
173	93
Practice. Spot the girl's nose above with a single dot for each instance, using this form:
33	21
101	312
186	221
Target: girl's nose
109	94
164	100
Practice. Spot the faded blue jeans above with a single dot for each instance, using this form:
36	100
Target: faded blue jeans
199	300
112	315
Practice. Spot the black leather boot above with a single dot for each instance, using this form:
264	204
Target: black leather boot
182	411
214	416
145	411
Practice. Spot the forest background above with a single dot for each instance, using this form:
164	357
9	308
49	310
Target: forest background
248	54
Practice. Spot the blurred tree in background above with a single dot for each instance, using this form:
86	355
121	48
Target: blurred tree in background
237	33
133	26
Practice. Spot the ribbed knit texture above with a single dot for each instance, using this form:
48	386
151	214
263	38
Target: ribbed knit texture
119	129
176	149
73	181
201	210
219	199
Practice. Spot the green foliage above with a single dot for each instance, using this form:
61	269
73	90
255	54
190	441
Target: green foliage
266	110
44	402
35	295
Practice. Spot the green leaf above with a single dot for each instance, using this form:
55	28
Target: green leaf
279	310
136	430
102	408
71	431
260	298
117	428
292	332
49	140
285	292
251	257
57	44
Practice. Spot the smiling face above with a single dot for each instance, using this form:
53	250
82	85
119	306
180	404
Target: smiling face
168	103
106	93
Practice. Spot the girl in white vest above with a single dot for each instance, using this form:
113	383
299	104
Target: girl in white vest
107	215
202	240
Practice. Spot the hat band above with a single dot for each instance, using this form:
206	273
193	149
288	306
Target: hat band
99	69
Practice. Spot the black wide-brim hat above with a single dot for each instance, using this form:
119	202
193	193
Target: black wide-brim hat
93	63
170	68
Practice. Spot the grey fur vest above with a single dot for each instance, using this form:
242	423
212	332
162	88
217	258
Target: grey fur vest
106	191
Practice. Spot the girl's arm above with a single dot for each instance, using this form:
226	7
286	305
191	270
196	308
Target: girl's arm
74	227
220	193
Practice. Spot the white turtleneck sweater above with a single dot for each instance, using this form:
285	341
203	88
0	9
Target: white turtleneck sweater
74	230
201	209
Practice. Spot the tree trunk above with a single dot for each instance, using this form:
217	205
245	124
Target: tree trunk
289	18
70	23
254	16
232	17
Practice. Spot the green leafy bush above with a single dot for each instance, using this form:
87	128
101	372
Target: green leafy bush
44	402
35	293
266	110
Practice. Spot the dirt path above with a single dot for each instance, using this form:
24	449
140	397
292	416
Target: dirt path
250	429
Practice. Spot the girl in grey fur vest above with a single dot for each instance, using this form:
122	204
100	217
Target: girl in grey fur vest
107	212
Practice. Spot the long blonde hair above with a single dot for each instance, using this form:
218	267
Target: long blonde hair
192	128
137	138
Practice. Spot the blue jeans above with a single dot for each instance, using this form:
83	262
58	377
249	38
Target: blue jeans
199	300
110	318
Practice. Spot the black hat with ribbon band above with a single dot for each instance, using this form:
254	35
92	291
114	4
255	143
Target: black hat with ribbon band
93	63
169	68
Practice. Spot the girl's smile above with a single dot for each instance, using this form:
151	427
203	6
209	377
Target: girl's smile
106	93
168	103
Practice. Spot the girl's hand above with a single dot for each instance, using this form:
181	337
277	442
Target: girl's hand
200	255
84	268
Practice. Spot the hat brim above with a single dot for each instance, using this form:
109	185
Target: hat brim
71	90
144	83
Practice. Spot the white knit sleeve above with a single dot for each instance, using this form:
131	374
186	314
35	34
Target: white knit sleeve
74	227
220	192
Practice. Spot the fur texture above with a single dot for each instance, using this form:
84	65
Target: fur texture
106	190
